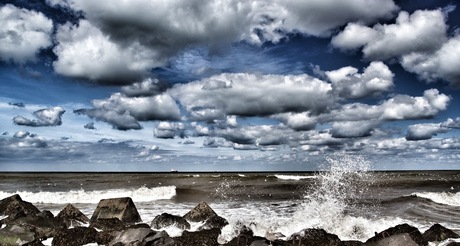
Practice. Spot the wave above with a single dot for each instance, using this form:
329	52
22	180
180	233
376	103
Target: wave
293	177
142	194
448	198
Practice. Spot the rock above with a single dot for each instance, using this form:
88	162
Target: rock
438	232
214	222
43	224
131	236
352	243
402	239
16	235
160	238
72	216
15	207
104	237
413	232
199	238
317	237
201	212
121	208
245	237
75	236
165	220
260	243
111	224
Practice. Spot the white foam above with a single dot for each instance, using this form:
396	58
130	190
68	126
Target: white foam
448	198
293	177
142	194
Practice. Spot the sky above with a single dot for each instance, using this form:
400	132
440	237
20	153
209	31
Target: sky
228	85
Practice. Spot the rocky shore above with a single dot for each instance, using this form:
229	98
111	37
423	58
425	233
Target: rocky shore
117	222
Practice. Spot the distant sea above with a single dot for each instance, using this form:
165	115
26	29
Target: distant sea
344	200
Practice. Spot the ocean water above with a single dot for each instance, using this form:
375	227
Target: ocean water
345	199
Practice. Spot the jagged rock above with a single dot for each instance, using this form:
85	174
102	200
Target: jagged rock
160	238
121	208
140	225
200	213
72	216
317	237
104	237
245	237
75	236
164	220
214	222
43	224
438	232
111	224
131	236
199	238
16	235
401	239
413	232
15	207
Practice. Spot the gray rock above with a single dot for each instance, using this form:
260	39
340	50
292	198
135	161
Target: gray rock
317	237
131	236
199	238
403	239
399	229
16	235
121	208
214	222
75	236
160	238
438	232
15	207
110	224
201	212
164	220
72	216
43	224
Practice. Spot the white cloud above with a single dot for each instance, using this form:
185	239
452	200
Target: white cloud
23	33
297	121
169	130
147	87
348	83
451	123
44	117
422	31
424	131
352	129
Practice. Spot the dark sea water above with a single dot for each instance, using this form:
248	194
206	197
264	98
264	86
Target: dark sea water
349	202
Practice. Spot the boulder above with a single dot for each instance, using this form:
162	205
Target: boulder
214	222
438	233
402	239
43	224
160	238
121	208
111	224
245	237
164	220
201	212
133	236
317	237
199	238
72	216
15	207
104	237
413	232
16	235
75	236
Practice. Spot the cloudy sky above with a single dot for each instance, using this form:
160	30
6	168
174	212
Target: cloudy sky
228	85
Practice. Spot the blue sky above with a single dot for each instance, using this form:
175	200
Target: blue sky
228	85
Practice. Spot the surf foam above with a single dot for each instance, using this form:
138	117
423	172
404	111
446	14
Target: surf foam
448	198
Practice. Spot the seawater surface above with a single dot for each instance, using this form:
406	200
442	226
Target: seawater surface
350	202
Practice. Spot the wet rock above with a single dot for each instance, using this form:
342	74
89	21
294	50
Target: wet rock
201	212
160	238
121	208
104	237
413	232
15	207
72	216
402	239
75	236
164	220
16	235
352	243
111	224
317	237
438	232
134	236
245	237
199	238
214	222
43	224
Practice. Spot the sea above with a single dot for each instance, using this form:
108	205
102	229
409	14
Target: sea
345	198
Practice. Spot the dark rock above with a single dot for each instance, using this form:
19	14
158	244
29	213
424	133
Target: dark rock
121	208
104	237
438	232
413	232
317	237
132	236
165	220
260	243
401	239
111	224
200	213
199	238
72	216
15	207
160	238
245	237
140	225
352	243
75	236
12	234
43	224
214	222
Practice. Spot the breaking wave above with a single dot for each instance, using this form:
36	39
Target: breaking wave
448	198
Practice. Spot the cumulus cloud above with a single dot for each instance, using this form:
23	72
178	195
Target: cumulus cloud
24	139
441	64
297	121
253	95
421	31
148	87
169	130
132	37
452	123
23	33
348	83
44	117
352	129
424	131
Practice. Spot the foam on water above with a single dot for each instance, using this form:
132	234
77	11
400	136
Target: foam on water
448	198
292	177
142	194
